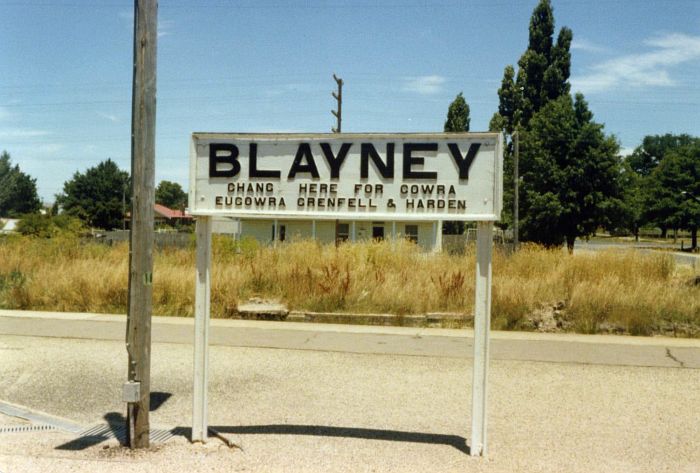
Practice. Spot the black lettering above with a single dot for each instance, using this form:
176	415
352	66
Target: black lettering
219	200
254	171
229	156
464	163
385	169
335	162
304	151
409	160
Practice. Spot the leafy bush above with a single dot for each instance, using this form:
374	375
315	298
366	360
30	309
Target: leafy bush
46	226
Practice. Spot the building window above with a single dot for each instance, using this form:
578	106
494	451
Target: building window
342	232
411	233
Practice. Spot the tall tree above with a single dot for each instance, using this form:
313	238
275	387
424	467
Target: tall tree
457	115
570	174
171	195
542	76
674	197
651	152
18	193
97	197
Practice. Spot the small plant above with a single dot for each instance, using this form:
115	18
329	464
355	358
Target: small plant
451	284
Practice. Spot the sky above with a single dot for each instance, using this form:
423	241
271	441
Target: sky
267	66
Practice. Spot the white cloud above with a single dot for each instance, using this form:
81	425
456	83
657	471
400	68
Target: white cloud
49	148
20	133
424	85
583	44
650	69
164	27
108	116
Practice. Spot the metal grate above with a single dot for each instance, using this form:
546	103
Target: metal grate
105	432
14	429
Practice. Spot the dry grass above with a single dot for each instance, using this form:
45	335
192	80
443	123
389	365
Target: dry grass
637	292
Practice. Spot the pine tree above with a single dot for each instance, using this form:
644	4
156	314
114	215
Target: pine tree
97	197
18	194
457	115
570	174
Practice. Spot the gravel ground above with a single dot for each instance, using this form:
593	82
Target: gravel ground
303	411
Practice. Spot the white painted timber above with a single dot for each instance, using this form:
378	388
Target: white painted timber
201	329
406	177
482	320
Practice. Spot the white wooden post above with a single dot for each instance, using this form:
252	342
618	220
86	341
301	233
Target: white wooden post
277	233
437	236
201	329
352	225
482	320
313	229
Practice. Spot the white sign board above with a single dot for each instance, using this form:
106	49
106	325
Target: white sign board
441	176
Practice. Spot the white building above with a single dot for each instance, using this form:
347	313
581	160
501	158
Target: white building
428	235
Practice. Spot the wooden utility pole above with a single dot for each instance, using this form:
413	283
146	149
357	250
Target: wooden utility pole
339	97
143	143
516	190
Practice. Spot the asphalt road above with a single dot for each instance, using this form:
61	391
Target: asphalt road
358	399
692	259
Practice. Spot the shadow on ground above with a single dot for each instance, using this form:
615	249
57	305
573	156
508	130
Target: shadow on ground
116	428
460	443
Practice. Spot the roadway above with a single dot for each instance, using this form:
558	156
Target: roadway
308	397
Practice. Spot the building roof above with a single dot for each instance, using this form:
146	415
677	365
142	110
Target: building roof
165	212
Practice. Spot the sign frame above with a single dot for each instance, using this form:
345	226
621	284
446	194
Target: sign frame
482	304
197	207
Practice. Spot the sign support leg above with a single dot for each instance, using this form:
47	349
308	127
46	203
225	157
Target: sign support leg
482	320
201	329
